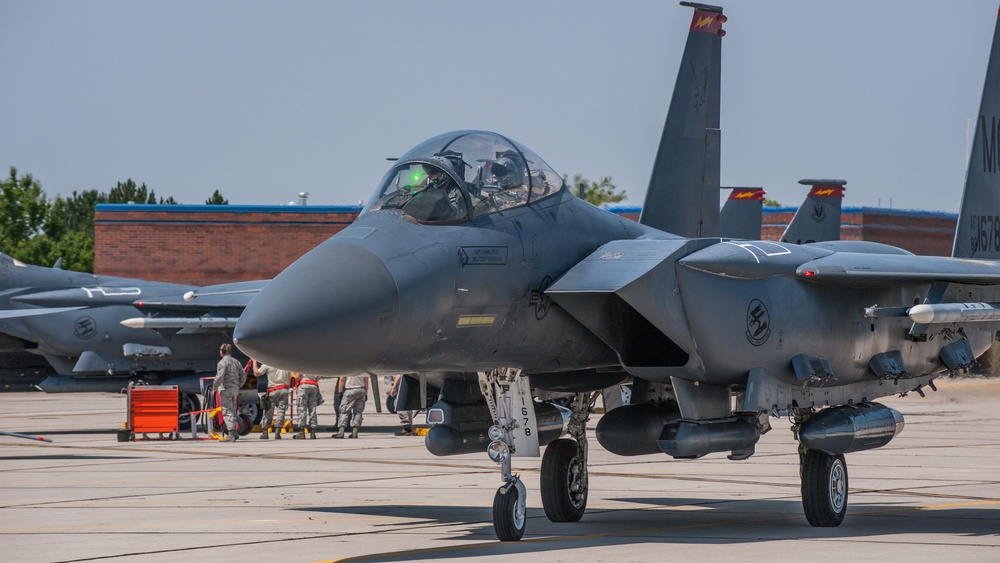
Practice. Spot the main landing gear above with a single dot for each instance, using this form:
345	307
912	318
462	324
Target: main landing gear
824	487
564	482
824	481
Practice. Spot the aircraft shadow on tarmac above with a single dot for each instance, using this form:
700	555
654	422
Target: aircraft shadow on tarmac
57	457
714	523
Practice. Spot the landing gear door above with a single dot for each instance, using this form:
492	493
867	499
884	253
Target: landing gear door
524	429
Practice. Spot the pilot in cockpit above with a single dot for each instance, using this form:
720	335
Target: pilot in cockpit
437	199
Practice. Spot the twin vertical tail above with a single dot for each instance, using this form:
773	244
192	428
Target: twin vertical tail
978	232
741	215
818	219
683	193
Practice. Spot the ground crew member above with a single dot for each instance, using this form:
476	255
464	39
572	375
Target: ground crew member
355	389
279	383
405	417
309	399
229	377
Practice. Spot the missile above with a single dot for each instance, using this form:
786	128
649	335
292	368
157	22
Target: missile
954	312
180	322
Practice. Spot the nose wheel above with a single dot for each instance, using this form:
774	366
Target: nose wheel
509	510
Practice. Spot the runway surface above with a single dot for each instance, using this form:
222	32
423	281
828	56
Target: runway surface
932	494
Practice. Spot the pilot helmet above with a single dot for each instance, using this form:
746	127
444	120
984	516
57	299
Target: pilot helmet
506	172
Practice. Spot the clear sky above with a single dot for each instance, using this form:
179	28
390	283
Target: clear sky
261	100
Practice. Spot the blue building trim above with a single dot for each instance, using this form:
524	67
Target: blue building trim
164	208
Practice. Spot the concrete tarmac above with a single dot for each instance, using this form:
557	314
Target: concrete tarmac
932	494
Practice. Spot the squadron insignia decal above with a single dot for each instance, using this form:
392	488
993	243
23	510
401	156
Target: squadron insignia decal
758	323
85	328
819	213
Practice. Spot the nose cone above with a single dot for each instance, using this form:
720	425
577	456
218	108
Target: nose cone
330	313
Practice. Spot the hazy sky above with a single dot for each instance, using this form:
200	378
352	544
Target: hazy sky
261	100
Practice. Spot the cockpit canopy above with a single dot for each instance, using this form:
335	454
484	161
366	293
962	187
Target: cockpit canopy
462	175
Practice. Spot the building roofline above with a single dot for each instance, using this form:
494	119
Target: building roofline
171	208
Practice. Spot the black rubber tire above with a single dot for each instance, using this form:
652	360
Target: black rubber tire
252	411
824	488
559	463
506	525
188	402
243	424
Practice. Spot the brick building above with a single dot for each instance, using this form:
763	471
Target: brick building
928	233
207	244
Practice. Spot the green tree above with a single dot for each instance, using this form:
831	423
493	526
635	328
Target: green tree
217	199
36	231
128	192
768	202
603	191
23	208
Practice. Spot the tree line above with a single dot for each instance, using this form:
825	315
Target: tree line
40	231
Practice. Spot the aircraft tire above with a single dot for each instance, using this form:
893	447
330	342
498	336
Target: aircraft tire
188	403
507	524
824	488
561	468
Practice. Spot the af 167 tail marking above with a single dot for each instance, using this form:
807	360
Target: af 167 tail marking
978	232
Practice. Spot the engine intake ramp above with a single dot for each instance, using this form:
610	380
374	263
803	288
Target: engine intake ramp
625	292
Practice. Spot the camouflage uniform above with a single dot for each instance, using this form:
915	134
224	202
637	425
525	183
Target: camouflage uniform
229	377
279	384
309	398
353	405
405	417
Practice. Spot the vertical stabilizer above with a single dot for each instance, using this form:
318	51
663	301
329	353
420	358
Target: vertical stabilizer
741	215
683	193
818	218
978	232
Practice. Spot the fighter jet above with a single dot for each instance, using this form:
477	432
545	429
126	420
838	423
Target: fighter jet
474	264
75	321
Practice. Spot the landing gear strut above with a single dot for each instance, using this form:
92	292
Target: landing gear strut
499	387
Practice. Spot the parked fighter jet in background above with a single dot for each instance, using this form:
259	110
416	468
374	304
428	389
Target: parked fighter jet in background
74	320
741	215
473	263
818	219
